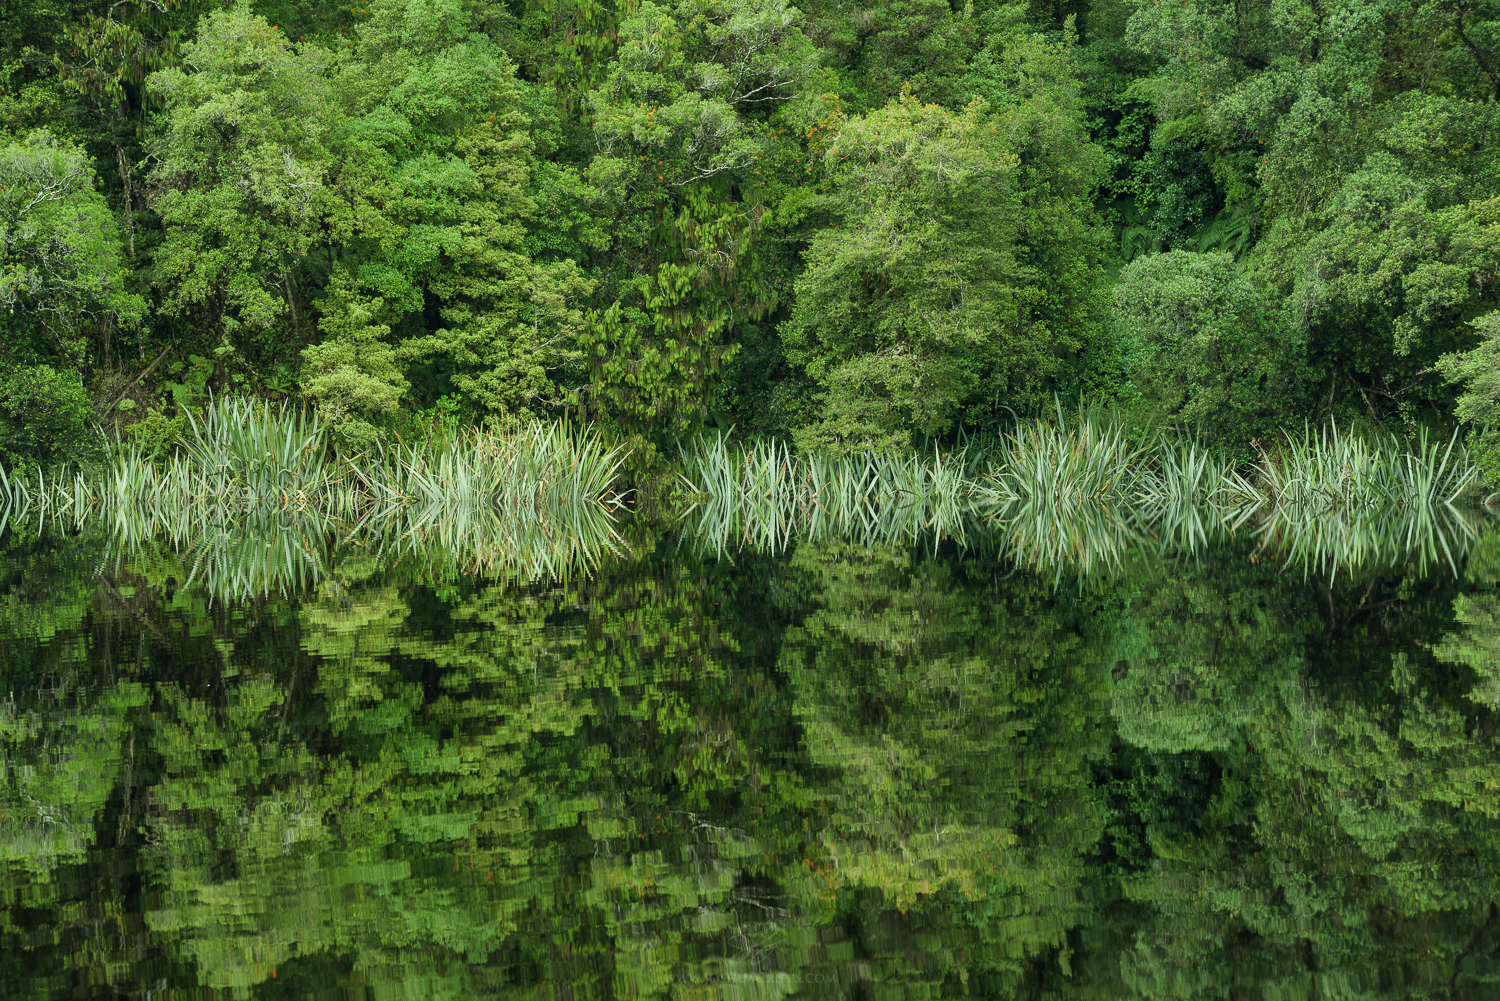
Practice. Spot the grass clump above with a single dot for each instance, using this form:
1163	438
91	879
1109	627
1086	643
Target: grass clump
761	494
539	494
1079	494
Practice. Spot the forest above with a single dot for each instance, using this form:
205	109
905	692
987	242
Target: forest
856	228
1063	582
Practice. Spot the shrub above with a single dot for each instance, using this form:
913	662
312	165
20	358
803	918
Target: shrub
46	419
156	432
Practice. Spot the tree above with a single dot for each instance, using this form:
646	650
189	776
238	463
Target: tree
958	275
1208	353
909	311
1385	280
352	374
510	323
405	163
656	361
242	170
61	270
892	44
688	128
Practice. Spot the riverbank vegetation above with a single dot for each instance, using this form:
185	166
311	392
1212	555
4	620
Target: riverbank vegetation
854	229
260	491
1079	494
260	488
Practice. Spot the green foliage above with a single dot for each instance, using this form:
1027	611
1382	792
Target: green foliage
241	168
1479	406
156	433
188	385
1390	284
958	276
907	311
893	44
46	420
854	227
510	323
110	54
1206	352
352	375
656	364
690	127
26	103
287	713
1352	148
61	268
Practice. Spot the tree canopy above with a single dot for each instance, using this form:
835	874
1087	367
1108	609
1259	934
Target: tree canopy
855	228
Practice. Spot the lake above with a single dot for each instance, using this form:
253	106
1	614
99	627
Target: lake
823	769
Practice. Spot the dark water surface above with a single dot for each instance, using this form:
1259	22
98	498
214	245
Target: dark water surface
837	771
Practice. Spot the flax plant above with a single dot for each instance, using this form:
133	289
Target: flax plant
255	494
1059	495
761	495
1188	498
1078	495
1330	471
1066	495
1335	501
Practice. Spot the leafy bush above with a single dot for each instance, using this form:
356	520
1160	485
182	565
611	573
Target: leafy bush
1479	406
46	419
1207	353
156	432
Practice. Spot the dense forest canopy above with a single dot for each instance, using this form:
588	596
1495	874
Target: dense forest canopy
853	226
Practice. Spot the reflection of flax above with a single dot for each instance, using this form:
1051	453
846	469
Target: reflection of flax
1077	495
256	500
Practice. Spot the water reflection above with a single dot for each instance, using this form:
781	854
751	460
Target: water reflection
844	770
1090	535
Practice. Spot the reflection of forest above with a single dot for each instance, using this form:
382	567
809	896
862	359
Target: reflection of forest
848	771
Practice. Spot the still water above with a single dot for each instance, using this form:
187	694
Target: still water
833	771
